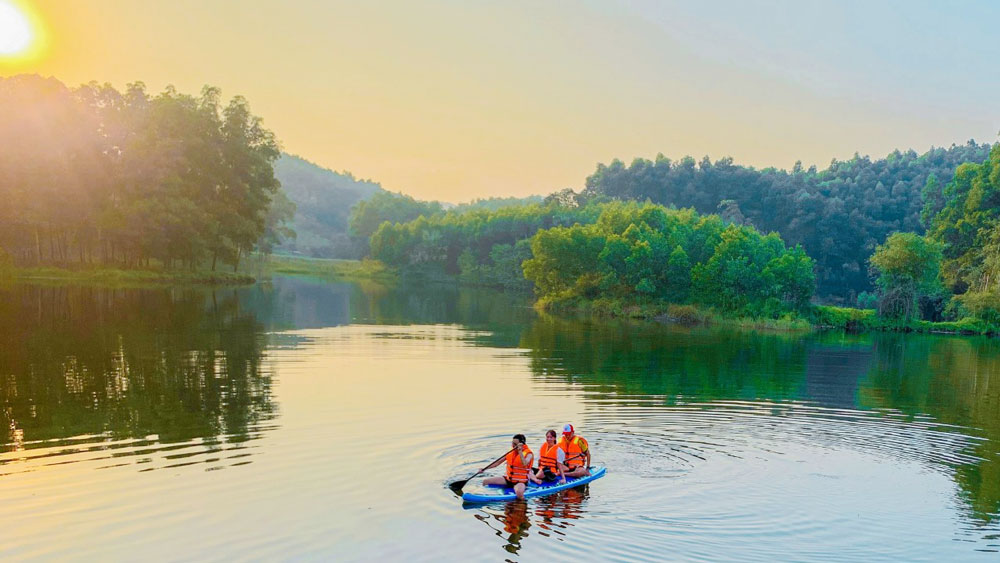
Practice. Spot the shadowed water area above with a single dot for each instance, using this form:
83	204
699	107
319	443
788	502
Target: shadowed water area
304	419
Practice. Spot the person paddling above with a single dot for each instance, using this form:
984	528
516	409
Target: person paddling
577	453
519	462
550	460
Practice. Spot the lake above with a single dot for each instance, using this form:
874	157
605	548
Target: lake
299	419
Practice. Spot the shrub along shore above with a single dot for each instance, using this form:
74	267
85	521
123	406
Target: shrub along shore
818	317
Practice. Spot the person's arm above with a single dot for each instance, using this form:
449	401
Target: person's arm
525	459
496	463
587	451
561	464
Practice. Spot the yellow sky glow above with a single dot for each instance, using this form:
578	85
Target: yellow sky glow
454	100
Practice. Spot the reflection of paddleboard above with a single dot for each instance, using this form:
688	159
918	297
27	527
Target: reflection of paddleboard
534	490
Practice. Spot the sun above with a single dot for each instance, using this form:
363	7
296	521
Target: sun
15	30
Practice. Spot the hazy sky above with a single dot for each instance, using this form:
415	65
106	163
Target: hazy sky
464	99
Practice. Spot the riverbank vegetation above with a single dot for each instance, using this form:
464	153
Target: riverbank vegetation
366	269
838	214
615	256
118	277
93	177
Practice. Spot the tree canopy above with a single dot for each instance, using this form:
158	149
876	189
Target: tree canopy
838	214
93	174
674	255
968	225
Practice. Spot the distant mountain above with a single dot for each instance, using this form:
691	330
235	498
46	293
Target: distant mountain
323	200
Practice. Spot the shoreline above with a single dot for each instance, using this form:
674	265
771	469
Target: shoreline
50	275
818	318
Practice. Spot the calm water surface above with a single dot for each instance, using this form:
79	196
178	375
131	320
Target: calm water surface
306	420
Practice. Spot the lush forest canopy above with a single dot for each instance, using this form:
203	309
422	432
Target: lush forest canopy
611	249
323	200
838	214
677	256
483	246
968	225
603	245
95	175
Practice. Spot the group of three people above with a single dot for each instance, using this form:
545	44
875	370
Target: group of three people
568	457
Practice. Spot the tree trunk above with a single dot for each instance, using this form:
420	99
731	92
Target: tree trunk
215	254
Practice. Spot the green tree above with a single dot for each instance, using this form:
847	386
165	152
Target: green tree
678	276
368	215
966	223
564	261
908	268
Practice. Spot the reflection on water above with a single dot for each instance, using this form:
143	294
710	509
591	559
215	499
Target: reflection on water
155	378
553	517
720	444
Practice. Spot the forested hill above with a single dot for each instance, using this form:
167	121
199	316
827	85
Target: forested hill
323	200
838	214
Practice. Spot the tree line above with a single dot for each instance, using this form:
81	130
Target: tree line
94	175
480	246
649	251
838	214
604	249
592	245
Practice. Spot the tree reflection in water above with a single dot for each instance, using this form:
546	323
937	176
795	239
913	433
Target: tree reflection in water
123	369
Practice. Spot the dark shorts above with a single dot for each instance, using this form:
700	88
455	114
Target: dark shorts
510	484
549	474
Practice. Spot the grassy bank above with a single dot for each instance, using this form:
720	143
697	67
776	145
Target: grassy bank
818	317
254	268
863	320
324	268
122	277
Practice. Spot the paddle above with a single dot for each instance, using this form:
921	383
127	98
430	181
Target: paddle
458	485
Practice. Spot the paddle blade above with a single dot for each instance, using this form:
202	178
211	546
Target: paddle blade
457	486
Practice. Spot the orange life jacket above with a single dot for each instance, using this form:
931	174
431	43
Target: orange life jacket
575	451
547	456
517	472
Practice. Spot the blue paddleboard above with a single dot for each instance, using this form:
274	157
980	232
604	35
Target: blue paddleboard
533	490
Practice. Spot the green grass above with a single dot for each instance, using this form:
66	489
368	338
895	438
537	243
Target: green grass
121	277
326	268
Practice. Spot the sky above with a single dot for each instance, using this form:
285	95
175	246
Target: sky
456	100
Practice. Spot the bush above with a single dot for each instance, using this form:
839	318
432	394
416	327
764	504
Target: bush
685	314
851	320
983	306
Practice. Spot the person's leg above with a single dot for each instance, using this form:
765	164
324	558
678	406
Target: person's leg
536	478
495	481
577	472
519	491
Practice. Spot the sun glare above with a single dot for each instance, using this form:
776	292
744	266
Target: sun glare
15	31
